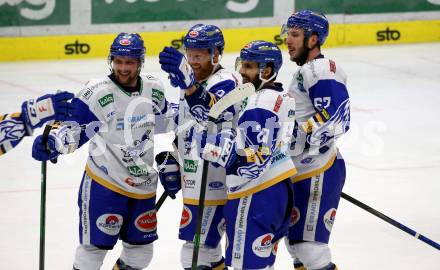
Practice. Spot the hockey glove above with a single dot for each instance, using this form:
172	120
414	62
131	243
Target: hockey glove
219	149
175	64
169	174
61	140
46	108
42	152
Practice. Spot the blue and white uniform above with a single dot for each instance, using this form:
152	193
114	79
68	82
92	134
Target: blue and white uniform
323	115
259	193
118	189
195	108
12	131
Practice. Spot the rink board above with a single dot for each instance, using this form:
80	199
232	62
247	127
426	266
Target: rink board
97	45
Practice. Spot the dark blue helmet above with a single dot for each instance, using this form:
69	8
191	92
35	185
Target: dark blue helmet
204	36
310	22
128	44
262	52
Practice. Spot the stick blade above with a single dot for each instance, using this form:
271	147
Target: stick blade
238	94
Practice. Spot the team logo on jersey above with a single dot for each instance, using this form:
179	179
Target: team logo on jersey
262	246
109	223
11	130
146	222
190	166
296	215
186	218
329	218
105	100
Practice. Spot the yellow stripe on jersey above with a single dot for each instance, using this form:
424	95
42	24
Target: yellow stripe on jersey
213	99
220	267
2	117
319	118
16	115
207	202
116	189
263	186
315	172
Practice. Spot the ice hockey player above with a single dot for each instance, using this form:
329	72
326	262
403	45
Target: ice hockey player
34	113
258	169
323	115
119	115
204	81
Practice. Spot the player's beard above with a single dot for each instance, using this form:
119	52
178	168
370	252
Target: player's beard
301	57
129	79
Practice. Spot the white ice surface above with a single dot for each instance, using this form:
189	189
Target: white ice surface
392	153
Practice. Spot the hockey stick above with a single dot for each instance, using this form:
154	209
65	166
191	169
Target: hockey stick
390	221
43	201
161	200
239	93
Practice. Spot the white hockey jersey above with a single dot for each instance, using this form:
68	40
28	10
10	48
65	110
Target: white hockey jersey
192	109
322	114
264	131
121	127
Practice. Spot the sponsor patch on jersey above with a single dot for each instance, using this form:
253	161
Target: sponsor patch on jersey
137	171
262	246
87	94
190	166
109	223
275	248
296	215
105	100
189	183
157	94
329	218
216	185
147	221
332	66
291	113
278	103
307	160
104	169
186	218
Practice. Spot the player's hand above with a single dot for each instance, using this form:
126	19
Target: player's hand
46	108
41	151
175	64
219	149
169	173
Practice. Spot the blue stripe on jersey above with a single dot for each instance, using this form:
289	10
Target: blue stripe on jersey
328	95
258	129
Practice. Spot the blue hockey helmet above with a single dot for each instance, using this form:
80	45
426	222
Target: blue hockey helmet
204	36
262	52
128	44
310	22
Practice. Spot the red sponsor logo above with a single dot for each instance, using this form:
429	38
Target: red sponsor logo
42	109
214	153
295	216
332	66
193	34
186	217
146	222
278	103
125	42
129	181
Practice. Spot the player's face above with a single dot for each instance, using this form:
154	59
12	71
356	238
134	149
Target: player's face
200	61
126	70
295	43
250	72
